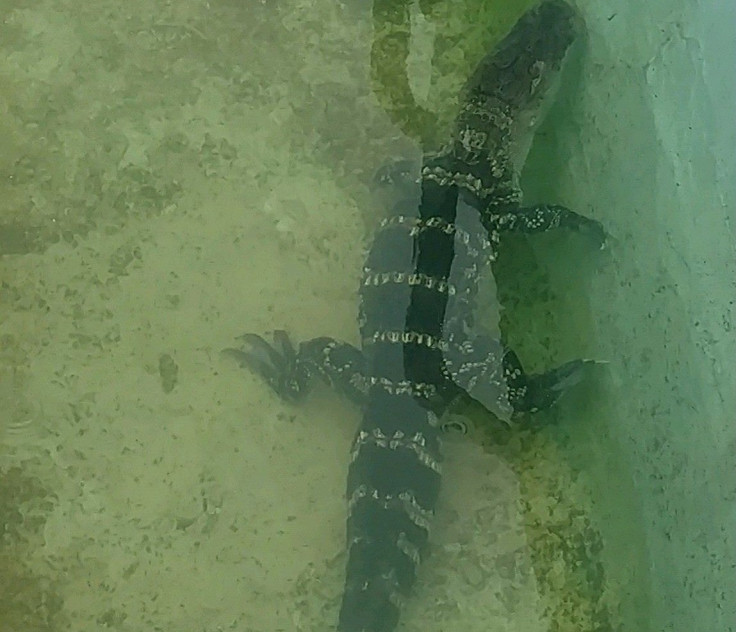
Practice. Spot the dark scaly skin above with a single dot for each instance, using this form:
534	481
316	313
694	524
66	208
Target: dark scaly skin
420	350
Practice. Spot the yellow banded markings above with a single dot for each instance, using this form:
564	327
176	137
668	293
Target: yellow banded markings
416	443
403	544
443	177
376	279
417	225
408	548
409	337
406	501
394	387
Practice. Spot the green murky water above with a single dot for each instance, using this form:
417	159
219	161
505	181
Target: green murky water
172	176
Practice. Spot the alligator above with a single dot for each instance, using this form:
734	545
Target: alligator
422	350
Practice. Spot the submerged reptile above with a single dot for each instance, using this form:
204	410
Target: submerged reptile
421	349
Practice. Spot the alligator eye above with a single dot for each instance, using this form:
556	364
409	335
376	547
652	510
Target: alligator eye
454	426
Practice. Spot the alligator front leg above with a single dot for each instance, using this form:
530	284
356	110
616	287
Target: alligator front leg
530	393
492	375
288	371
544	217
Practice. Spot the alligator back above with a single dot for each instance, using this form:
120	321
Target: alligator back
418	288
394	475
417	297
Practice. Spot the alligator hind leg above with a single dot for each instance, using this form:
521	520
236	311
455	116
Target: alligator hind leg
538	391
288	370
544	217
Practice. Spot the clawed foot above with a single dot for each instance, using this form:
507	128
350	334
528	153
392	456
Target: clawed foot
277	364
593	230
546	388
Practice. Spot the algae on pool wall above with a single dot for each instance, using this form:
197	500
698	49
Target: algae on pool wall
652	152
